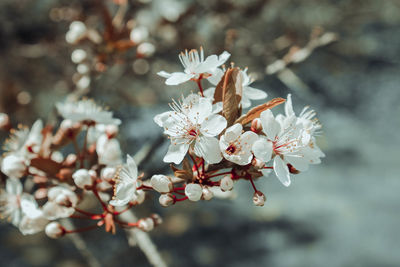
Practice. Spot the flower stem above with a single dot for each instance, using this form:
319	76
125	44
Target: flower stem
198	81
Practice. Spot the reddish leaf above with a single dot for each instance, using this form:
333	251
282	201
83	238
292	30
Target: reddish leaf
256	111
46	165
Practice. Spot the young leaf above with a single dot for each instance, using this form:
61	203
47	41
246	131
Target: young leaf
256	111
231	95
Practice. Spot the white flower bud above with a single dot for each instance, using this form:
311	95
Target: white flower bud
70	159
140	196
166	200
146	49
193	192
161	183
207	193
111	130
157	219
78	55
54	230
226	183
82	178
82	68
83	82
77	29
13	166
4	120
146	224
256	125
108	173
139	34
258	163
57	156
259	198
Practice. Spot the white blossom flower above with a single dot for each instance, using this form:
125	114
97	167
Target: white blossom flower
125	184
236	146
14	166
82	178
54	230
10	201
25	142
192	123
86	111
60	204
195	66
193	192
33	220
248	92
77	30
284	142
108	150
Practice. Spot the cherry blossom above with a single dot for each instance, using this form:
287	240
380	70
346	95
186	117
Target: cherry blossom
195	66
192	123
61	203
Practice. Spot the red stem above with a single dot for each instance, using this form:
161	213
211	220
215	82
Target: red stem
198	81
252	184
218	174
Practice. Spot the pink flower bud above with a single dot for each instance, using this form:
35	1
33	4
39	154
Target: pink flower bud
207	193
166	200
259	198
54	230
256	125
226	183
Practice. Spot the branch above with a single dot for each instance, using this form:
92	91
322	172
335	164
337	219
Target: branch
142	239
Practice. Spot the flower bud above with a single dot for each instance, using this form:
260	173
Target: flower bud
193	192
146	224
4	121
111	130
78	55
139	34
82	178
108	173
259	198
54	230
146	49
157	219
258	163
70	160
161	183
166	200
13	166
226	183
207	193
256	125
140	196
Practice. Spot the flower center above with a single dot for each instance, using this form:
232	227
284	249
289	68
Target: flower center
193	133
231	149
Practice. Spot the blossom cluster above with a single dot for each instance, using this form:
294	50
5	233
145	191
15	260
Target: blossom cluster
213	144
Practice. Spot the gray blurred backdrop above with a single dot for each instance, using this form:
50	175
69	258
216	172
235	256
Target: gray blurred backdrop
344	212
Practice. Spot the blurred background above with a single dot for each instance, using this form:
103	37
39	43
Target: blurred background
344	212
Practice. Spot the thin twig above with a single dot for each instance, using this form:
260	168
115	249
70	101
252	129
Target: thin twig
81	246
143	241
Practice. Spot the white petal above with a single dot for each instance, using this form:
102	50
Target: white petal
216	76
270	126
161	119
200	110
223	57
164	74
217	107
246	103
178	78
132	167
281	171
262	149
233	132
208	148
123	194
209	93
213	125
208	65
176	153
298	162
253	93
13	186
288	106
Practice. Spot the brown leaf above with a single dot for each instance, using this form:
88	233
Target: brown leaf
186	166
231	95
182	174
256	111
46	165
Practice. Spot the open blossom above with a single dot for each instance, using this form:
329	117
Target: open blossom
25	142
33	220
248	92
236	146
108	151
195	66
125	184
86	111
14	166
60	204
10	201
192	123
